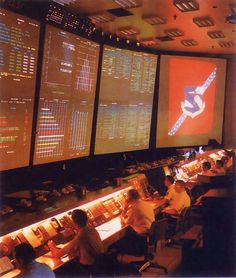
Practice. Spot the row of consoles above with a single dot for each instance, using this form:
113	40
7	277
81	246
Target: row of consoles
103	213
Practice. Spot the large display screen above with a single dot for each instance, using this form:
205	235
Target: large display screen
125	101
191	101
19	37
67	93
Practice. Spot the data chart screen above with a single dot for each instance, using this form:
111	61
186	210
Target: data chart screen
125	101
191	101
67	93
19	37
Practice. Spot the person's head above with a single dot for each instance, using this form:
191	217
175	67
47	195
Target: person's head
24	254
224	159
219	164
133	195
179	186
168	180
206	166
79	217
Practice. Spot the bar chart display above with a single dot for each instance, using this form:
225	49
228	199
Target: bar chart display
19	37
67	93
125	101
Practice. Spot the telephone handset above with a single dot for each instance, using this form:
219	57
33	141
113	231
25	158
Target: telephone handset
5	265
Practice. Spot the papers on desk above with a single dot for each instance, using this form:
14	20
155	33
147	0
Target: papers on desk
109	228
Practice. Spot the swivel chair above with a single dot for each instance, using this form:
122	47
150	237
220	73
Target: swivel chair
156	233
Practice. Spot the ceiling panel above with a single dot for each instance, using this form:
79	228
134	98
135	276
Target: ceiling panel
217	10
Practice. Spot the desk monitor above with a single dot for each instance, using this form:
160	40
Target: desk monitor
19	37
125	100
191	101
67	93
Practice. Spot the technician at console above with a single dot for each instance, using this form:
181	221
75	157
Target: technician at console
180	201
24	255
87	244
139	215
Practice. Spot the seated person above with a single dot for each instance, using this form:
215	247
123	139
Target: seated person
24	255
228	162
169	183
139	215
87	244
181	200
219	169
206	169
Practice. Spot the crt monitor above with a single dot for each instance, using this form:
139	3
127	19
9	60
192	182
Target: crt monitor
19	37
67	93
125	100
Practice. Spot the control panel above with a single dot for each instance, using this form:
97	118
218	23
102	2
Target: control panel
60	228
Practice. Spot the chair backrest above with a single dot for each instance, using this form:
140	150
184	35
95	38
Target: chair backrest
182	222
157	231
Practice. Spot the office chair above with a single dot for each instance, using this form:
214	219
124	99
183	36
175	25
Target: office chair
177	224
156	233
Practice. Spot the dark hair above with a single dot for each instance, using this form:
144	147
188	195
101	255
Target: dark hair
206	165
133	194
79	217
170	179
219	162
180	183
25	252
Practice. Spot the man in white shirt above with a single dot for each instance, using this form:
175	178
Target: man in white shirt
139	215
180	201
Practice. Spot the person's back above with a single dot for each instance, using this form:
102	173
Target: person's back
89	245
140	216
181	201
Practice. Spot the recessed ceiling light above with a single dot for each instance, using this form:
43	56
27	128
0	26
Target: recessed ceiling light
153	19
189	42
226	44
203	21
127	31
101	18
215	34
174	32
186	5
128	3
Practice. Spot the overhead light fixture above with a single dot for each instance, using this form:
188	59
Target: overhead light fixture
101	18
203	21
174	32
127	32
149	42
127	4
186	5
189	42
153	19
64	2
226	44
215	34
